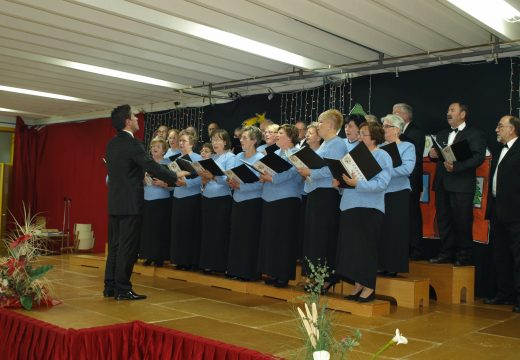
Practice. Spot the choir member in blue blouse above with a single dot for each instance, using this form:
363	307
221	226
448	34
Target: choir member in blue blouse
216	207
393	244
270	134
280	214
352	130
173	142
322	210
361	220
155	234
246	213
185	224
206	151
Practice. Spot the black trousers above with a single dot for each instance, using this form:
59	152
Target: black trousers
505	239
123	245
455	222
415	224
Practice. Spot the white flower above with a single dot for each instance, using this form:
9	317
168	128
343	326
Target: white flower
399	339
5	283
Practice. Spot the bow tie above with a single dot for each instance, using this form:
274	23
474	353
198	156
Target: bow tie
505	146
454	130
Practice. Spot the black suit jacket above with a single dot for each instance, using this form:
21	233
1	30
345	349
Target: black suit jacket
506	205
127	161
417	137
463	177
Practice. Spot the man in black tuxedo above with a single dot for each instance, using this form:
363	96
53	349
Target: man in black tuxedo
126	161
503	211
416	136
454	186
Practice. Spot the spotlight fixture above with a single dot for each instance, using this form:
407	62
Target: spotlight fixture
270	96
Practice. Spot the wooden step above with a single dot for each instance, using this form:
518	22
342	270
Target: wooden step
408	291
452	284
92	260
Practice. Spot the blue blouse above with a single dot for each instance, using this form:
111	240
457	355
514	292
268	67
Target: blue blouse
351	145
334	148
251	190
218	186
192	185
285	184
371	193
400	175
171	152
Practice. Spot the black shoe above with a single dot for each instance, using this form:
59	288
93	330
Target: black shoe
147	262
441	260
281	283
326	287
129	295
369	298
417	257
108	293
207	271
354	297
270	281
462	263
391	274
516	308
498	301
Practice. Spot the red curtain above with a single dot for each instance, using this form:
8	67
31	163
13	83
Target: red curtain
61	161
22	337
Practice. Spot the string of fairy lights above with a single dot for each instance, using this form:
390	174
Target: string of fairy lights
178	118
307	104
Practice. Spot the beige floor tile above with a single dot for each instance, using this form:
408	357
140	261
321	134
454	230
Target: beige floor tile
67	316
475	346
478	310
510	328
235	334
229	312
127	310
232	297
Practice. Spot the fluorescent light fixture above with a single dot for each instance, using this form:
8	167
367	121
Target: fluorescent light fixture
20	111
494	13
122	75
158	18
48	95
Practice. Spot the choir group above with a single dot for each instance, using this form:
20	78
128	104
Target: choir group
213	223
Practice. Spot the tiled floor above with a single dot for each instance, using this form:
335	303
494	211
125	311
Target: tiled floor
269	325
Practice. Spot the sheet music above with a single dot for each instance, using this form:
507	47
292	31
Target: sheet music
231	175
352	168
448	154
173	166
254	166
198	167
147	179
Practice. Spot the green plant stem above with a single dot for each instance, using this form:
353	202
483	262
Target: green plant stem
383	349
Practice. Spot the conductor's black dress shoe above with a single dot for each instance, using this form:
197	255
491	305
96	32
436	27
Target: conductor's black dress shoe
130	295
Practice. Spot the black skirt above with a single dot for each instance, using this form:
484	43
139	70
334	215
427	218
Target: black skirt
185	231
359	229
321	228
214	245
155	234
278	238
393	244
246	217
301	229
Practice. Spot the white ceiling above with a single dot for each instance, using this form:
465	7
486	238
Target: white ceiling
145	37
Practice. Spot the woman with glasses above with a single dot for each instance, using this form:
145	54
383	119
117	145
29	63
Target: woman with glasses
173	142
246	213
393	244
281	196
362	212
270	134
216	207
185	224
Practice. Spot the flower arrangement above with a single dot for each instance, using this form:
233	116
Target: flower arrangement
316	322
21	282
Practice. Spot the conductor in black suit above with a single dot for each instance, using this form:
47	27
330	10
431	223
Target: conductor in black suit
127	161
416	136
503	211
454	186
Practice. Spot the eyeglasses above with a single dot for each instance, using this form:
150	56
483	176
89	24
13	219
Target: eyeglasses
386	126
364	134
500	126
183	141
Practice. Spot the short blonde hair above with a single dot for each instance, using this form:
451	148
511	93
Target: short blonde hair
162	142
335	115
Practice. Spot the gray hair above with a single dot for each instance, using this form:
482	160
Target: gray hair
254	133
405	108
371	118
394	120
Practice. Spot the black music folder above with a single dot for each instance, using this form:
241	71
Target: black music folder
458	151
242	174
307	158
361	162
337	170
271	149
209	165
393	151
184	163
270	164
